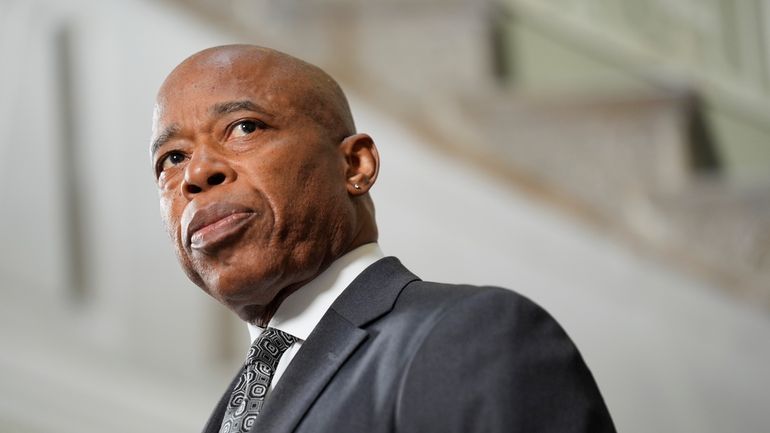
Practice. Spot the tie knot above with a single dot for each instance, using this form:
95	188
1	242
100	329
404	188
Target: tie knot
270	345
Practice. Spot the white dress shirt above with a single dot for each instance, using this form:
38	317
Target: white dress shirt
301	311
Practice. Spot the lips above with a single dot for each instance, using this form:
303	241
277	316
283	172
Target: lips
215	225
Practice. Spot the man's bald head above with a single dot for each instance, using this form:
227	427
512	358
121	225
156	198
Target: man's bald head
263	180
317	94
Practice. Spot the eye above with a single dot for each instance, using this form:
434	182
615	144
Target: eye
243	128
169	160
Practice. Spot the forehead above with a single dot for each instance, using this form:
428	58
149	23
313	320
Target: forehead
199	85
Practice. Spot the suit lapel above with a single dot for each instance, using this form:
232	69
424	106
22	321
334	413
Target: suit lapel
336	337
311	369
374	292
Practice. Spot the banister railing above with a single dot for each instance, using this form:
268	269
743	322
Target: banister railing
723	46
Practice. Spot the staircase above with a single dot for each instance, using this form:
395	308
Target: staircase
644	163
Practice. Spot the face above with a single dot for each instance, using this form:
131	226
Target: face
253	190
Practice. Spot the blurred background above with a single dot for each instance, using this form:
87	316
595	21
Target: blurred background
609	159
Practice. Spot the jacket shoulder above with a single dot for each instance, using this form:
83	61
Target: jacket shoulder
436	299
490	359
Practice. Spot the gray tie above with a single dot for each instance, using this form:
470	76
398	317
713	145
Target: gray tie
249	393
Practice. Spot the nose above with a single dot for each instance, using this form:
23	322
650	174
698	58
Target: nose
204	171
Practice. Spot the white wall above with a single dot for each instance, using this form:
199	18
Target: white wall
142	334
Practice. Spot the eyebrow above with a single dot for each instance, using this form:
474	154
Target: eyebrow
233	106
167	134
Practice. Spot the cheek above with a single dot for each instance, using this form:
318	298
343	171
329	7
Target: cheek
170	216
170	212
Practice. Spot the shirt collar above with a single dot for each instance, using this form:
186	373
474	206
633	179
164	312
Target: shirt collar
301	311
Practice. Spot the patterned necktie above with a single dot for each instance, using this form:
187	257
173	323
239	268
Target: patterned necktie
249	393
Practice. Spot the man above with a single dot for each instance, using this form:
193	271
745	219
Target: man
263	184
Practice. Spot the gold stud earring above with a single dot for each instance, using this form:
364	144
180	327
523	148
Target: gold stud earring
356	186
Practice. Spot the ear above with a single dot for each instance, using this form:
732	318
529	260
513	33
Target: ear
363	163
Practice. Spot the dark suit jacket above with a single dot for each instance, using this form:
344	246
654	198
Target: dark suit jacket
396	354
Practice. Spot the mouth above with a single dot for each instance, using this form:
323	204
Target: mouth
216	225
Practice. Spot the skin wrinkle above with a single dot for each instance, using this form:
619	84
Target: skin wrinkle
296	175
168	133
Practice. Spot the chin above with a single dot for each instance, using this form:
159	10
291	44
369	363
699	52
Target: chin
237	290
250	302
